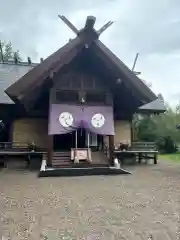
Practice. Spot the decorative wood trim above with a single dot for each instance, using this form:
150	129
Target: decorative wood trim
94	82
111	149
11	129
50	150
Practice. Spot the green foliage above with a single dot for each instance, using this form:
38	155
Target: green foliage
175	157
166	145
146	129
8	53
159	128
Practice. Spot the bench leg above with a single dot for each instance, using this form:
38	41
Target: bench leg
28	159
5	161
155	159
121	160
134	159
139	158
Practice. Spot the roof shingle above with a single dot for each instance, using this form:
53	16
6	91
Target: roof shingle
9	74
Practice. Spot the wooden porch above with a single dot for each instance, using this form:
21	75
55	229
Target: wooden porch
18	151
62	164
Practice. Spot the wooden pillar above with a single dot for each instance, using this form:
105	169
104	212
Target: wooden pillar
111	149
10	134
132	133
50	150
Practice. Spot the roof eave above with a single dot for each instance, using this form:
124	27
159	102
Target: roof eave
120	68
17	92
151	111
156	106
42	70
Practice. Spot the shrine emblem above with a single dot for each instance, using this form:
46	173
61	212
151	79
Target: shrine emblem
66	119
97	120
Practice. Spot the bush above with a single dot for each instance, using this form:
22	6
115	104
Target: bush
166	145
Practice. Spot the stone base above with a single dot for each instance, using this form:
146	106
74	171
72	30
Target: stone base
64	172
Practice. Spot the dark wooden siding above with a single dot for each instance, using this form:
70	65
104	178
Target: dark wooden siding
73	86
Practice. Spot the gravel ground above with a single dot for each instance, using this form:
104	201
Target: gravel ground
143	205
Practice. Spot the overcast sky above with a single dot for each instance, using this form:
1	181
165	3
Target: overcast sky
149	27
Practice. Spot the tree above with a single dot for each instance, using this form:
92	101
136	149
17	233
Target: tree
8	53
147	129
160	96
160	128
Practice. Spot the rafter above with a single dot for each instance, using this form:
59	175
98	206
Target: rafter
69	24
104	27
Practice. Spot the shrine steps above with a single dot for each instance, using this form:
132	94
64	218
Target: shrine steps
65	167
81	171
63	159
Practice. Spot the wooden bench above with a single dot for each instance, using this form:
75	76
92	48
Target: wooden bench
13	147
10	151
140	150
145	150
18	147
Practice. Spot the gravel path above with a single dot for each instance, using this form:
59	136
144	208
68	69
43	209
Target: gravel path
143	205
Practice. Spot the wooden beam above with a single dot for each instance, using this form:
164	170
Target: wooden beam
90	21
138	89
134	63
50	150
104	27
69	24
111	149
11	130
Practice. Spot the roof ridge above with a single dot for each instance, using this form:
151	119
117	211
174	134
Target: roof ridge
18	63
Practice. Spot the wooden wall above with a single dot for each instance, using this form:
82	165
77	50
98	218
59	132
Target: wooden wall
27	130
78	80
78	85
122	131
36	129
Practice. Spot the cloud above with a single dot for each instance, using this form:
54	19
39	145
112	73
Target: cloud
148	27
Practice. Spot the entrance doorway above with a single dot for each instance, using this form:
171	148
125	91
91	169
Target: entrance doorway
81	138
64	142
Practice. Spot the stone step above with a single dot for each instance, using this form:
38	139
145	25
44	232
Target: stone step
80	165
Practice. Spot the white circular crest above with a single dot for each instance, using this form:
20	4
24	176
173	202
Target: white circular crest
97	120
66	119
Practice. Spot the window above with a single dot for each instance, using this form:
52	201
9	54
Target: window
97	97
67	96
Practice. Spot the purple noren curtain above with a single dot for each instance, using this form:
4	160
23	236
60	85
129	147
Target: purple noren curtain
99	119
64	118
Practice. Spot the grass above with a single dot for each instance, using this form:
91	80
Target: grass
175	157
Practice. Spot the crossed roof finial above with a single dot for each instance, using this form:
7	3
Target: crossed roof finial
90	21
